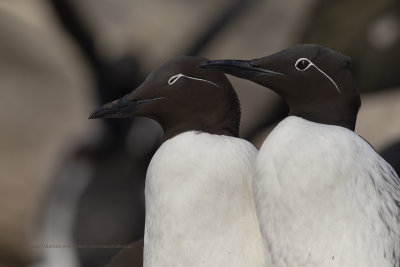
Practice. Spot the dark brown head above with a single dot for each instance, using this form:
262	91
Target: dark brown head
181	97
315	81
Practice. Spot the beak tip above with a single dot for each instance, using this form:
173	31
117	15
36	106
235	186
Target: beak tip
91	117
204	65
97	113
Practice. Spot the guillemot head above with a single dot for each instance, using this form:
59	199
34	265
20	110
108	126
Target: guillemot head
181	97
315	82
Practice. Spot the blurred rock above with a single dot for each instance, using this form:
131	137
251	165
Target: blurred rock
44	104
366	30
391	154
378	119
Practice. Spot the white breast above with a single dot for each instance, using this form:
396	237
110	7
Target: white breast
324	197
199	205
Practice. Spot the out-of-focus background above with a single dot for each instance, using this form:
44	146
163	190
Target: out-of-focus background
71	190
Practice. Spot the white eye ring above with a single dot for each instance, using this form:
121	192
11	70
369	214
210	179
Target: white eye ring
310	64
173	79
303	59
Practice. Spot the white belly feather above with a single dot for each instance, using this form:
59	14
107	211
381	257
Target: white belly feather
199	205
324	197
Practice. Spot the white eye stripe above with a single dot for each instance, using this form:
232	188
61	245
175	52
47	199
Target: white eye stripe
312	64
173	79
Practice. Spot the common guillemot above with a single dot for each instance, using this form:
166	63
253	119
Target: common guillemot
199	203
323	196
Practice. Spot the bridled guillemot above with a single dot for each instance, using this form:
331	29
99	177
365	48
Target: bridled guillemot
199	203
323	196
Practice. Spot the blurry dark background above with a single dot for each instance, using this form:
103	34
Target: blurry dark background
67	180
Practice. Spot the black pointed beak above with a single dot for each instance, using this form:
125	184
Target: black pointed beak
120	108
239	68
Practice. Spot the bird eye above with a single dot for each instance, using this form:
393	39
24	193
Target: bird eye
174	79
302	64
